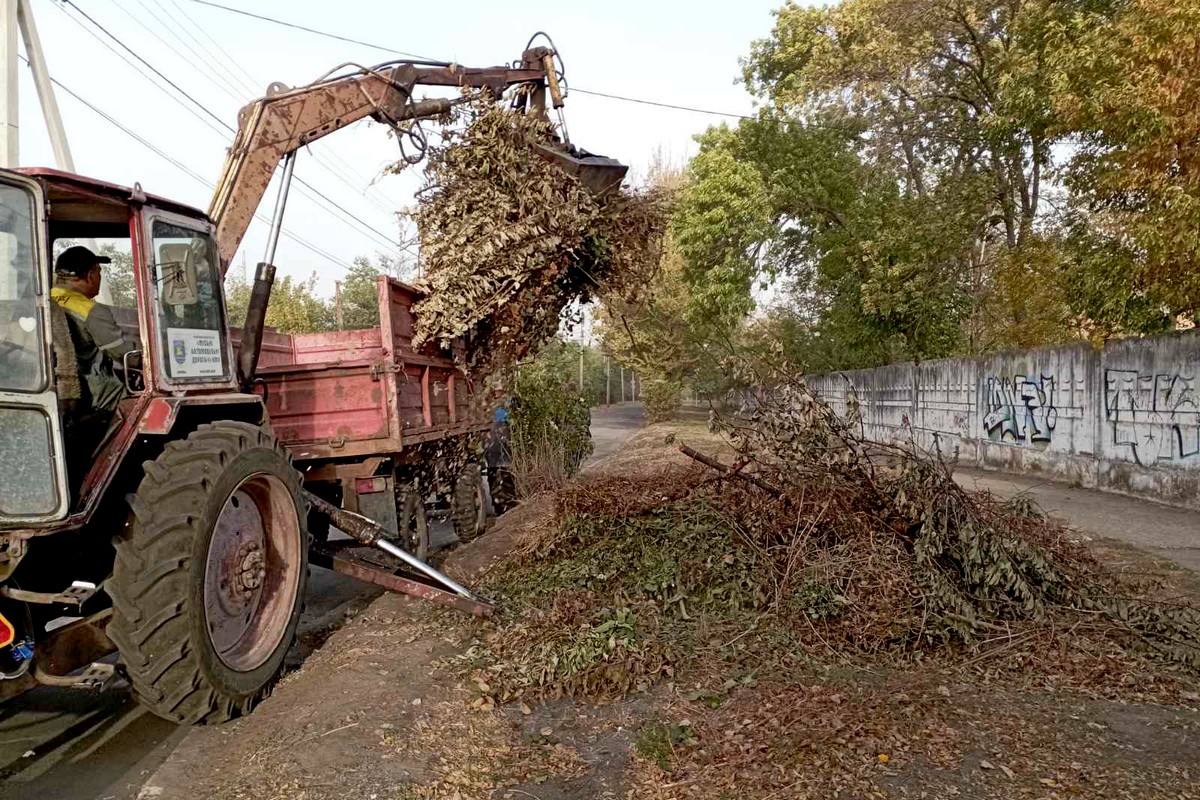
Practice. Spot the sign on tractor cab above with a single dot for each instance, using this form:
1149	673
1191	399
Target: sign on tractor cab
195	353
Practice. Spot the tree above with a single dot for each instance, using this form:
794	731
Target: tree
675	333
1127	85
118	276
360	291
293	308
895	180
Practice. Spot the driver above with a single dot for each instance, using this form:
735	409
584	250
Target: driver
98	340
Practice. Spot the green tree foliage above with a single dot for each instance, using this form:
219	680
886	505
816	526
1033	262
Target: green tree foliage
895	181
550	419
681	328
1127	85
360	291
118	276
294	306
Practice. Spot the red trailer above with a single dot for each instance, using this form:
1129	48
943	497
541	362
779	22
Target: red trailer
377	426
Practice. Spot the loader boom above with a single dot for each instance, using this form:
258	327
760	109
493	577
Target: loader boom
287	119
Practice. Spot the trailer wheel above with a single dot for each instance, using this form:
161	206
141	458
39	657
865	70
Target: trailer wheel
414	525
210	575
467	509
504	489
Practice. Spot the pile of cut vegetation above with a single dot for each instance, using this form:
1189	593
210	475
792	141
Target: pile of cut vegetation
510	242
803	544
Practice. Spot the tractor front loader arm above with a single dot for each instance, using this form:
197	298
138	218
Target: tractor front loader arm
277	125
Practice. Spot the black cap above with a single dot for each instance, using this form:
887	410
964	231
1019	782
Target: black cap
78	261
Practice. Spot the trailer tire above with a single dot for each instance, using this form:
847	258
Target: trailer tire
210	574
467	509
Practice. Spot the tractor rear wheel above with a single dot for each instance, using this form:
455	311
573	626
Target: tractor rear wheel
210	575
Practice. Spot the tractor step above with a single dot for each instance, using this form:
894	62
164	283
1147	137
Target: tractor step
97	677
78	593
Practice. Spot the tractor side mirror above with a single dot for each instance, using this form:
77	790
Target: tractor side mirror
177	275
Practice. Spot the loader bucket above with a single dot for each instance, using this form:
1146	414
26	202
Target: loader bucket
600	174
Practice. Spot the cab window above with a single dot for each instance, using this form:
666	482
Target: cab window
21	359
188	281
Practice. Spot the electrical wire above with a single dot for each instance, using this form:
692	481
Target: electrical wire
190	27
191	173
245	85
535	36
223	84
660	104
309	30
609	95
203	120
145	63
347	217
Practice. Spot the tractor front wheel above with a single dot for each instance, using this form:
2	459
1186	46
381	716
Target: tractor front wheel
210	575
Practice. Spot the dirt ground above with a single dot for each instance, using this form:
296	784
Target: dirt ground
386	709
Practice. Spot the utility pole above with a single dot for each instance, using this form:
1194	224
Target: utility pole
45	89
337	303
9	138
18	15
607	381
622	383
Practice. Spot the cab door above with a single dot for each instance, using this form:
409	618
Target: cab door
33	476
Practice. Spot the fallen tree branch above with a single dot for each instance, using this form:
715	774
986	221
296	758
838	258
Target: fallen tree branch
708	461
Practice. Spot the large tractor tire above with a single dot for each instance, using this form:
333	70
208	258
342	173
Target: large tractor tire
210	575
468	511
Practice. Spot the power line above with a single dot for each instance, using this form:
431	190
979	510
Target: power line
326	34
229	64
168	45
660	104
191	27
139	70
348	219
609	95
184	167
427	58
146	63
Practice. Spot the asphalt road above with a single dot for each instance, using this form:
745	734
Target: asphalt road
1164	531
612	425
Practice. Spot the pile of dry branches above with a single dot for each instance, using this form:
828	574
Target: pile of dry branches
808	541
899	549
509	241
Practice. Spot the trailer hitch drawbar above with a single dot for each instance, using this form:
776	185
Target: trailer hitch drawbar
373	534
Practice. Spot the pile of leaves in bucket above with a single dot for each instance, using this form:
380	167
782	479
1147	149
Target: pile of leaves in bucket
809	546
510	242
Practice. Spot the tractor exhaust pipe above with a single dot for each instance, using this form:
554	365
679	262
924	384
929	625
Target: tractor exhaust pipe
256	318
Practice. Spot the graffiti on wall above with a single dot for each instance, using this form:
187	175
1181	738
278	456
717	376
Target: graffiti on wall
1020	409
1155	415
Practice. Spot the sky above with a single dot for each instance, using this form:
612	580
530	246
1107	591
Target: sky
685	53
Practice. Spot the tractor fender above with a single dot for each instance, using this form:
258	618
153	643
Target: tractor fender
161	413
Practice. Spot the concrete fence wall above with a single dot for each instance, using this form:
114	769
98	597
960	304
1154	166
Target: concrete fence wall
1125	418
